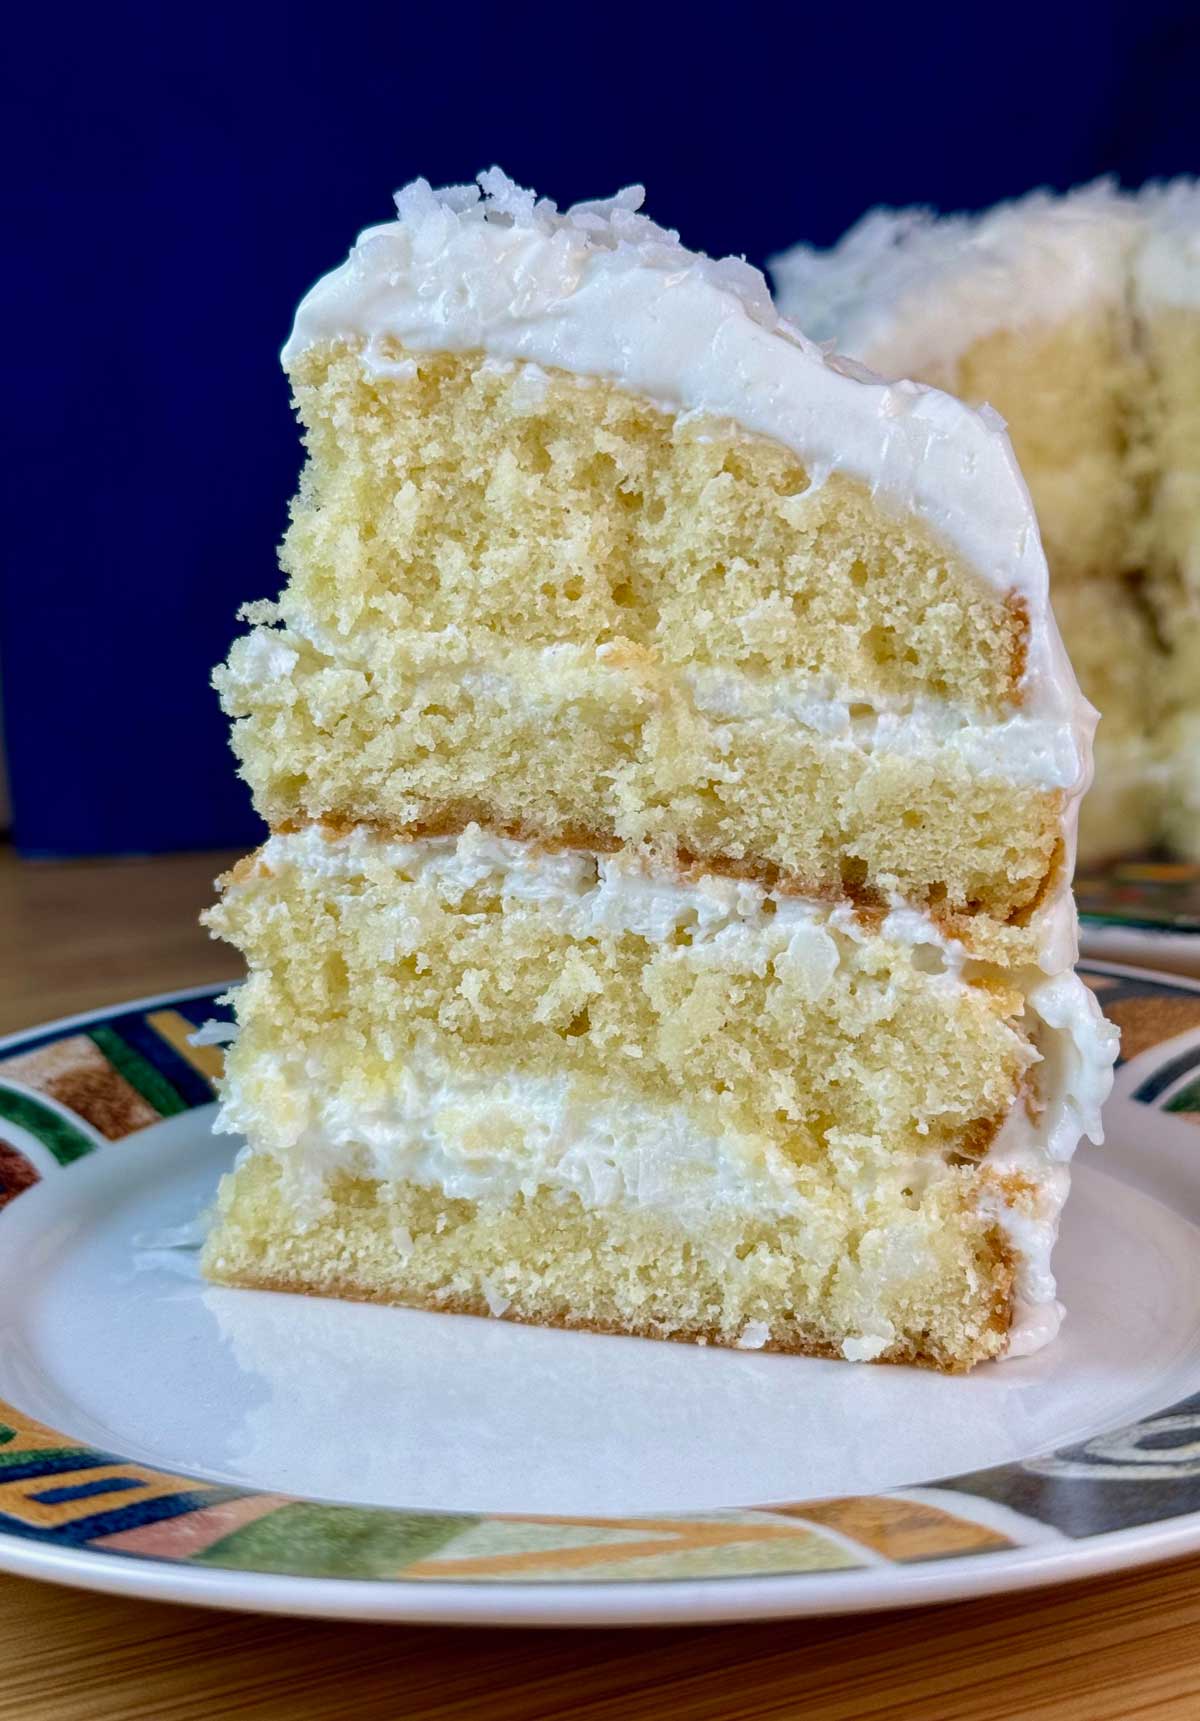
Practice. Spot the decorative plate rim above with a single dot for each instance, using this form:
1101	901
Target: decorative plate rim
1139	927
1141	895
74	1513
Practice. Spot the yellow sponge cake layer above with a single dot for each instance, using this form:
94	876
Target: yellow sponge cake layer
930	1288
1067	391
513	504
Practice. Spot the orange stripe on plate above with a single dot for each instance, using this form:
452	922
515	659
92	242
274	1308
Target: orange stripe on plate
900	1529
688	1538
175	1030
180	1538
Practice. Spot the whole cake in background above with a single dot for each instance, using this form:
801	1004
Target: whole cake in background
1078	319
672	767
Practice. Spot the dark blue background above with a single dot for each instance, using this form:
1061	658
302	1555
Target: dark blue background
177	177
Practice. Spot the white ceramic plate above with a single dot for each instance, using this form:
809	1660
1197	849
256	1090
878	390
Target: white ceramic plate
169	1439
1145	946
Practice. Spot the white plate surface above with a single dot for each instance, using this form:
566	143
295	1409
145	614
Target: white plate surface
117	1339
108	1334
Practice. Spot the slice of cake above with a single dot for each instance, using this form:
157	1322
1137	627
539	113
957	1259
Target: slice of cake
672	767
1078	318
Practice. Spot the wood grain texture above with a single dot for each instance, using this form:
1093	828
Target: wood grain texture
76	935
89	934
1102	1651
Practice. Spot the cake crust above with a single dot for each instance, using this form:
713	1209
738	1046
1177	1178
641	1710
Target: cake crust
347	1290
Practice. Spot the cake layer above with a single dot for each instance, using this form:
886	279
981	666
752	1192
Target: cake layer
505	1027
1121	668
490	561
930	1286
1069	393
516	504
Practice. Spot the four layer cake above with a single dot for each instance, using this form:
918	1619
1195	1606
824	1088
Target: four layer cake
672	768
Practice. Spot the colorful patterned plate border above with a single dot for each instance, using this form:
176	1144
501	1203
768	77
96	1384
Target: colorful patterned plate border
1147	895
74	1513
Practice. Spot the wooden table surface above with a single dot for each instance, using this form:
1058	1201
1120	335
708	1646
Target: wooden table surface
96	933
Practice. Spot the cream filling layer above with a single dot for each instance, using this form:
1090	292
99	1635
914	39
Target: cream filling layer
1041	752
620	892
486	1140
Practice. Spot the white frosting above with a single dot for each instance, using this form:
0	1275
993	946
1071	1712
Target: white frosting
602	292
1167	267
905	289
1022	749
475	1138
1037	1140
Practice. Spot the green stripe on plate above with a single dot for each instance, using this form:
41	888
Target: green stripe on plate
65	1140
315	1540
46	1459
138	1072
1186	1100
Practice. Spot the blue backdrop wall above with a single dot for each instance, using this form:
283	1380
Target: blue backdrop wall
178	177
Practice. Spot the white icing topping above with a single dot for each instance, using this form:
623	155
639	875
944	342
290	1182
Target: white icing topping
482	1138
1167	268
906	289
1072	1082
